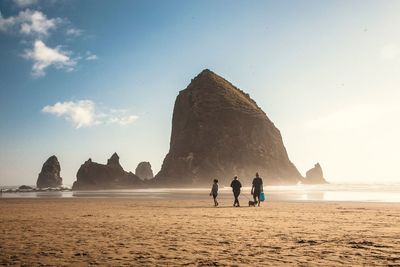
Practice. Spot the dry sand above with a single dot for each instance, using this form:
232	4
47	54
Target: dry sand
117	232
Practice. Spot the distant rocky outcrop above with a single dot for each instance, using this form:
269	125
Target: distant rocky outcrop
144	171
315	176
92	175
218	131
49	176
25	187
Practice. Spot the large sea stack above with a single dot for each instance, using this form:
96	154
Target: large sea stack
218	131
92	175
49	176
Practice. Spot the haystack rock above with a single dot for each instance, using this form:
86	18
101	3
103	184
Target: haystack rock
218	131
92	175
144	171
49	176
315	176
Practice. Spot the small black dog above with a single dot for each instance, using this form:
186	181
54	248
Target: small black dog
252	203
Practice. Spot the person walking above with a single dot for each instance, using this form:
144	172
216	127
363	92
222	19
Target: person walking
257	188
214	192
236	185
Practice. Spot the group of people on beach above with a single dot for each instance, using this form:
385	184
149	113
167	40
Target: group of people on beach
256	191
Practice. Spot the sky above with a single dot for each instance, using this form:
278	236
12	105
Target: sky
85	79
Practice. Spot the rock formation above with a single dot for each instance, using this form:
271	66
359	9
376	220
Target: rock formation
218	131
315	176
144	171
50	174
25	187
92	175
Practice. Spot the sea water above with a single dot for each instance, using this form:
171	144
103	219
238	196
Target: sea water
312	193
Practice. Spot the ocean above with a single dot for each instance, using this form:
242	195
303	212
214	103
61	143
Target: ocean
297	193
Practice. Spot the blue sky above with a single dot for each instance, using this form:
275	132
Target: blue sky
82	79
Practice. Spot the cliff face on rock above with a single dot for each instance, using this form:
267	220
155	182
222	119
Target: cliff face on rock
92	175
49	176
218	131
315	176
144	171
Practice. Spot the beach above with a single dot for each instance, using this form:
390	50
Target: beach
191	232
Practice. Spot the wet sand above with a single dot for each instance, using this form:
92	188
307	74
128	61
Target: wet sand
132	232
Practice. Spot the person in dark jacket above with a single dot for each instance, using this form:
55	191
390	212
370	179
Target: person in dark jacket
214	192
236	185
257	188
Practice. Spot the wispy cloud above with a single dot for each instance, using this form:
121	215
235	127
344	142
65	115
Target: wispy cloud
44	57
74	32
91	56
34	28
85	113
29	22
119	116
350	118
80	113
25	3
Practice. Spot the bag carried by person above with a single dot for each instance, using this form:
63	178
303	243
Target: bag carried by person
262	196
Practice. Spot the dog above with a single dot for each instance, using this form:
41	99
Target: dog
252	203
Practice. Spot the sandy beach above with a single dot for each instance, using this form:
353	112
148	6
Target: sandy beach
132	232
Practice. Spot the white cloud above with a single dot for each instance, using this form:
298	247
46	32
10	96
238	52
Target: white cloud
80	113
29	22
350	118
33	27
390	51
25	3
84	113
44	57
74	32
91	56
6	23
